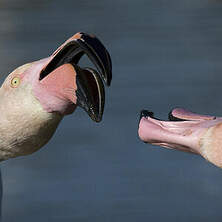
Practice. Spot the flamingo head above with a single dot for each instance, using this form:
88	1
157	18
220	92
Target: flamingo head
36	96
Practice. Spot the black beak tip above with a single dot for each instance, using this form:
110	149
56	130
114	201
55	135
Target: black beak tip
96	119
108	80
145	113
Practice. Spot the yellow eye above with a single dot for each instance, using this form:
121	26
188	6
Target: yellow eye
15	82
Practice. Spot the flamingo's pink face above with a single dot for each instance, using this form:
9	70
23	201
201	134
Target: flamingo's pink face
56	92
186	131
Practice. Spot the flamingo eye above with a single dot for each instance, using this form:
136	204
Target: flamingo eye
15	82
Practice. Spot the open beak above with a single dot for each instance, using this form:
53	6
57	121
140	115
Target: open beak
184	131
90	91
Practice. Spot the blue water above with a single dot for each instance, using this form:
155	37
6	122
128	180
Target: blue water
165	54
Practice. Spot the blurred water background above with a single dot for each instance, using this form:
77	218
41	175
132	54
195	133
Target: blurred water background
165	54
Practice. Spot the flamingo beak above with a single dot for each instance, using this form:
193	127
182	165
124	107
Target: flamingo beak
90	91
183	131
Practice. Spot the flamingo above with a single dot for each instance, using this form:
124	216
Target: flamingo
35	97
186	131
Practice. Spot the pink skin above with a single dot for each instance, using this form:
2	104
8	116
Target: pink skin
191	135
56	92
